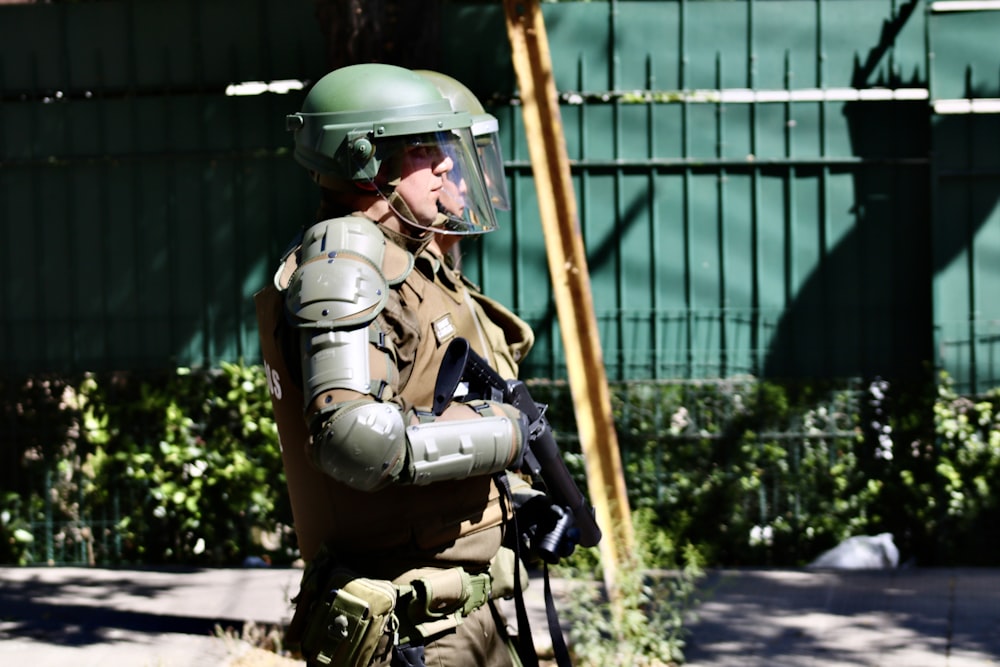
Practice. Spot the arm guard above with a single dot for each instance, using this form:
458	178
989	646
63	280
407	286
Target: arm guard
358	438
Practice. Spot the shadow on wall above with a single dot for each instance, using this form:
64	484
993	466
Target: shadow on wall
867	305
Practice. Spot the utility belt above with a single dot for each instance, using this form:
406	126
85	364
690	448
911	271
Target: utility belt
341	618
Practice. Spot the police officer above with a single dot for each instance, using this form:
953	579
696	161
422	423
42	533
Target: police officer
353	332
486	134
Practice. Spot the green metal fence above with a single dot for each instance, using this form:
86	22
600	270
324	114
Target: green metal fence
141	204
766	187
965	97
752	179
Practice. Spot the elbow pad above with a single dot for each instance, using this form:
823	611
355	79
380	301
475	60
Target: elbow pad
365	445
361	444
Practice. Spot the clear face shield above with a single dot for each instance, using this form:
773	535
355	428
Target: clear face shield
434	181
487	134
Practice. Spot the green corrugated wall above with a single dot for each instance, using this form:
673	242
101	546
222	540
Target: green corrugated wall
766	187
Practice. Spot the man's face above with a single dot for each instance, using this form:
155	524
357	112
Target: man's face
423	175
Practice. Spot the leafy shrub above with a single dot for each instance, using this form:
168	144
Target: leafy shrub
157	468
644	626
184	467
750	473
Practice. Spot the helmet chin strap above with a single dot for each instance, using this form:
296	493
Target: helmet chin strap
415	244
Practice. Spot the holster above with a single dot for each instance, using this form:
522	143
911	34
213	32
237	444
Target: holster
438	601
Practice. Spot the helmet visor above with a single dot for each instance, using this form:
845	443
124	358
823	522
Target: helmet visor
488	147
437	183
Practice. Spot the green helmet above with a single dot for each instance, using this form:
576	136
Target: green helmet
357	120
485	129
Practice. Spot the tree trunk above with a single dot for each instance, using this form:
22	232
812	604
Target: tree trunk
396	32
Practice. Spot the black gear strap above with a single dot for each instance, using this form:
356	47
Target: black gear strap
525	643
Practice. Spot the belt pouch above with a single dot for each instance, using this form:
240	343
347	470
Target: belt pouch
346	623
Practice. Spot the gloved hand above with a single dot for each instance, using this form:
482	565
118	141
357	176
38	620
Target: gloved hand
545	529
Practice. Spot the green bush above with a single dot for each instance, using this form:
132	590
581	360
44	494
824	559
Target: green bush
657	588
185	468
160	468
749	473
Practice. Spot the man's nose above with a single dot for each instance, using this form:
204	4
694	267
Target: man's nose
444	165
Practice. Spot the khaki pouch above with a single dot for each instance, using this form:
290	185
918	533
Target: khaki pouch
348	619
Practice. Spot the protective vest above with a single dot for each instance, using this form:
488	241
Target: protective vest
400	527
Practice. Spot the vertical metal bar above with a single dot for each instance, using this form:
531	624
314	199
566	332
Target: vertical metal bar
210	268
69	186
790	217
824	185
583	140
758	335
104	224
689	305
240	261
621	359
172	217
654	240
138	302
614	60
38	268
970	242
721	223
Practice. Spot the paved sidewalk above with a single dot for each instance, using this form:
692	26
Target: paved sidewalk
892	618
94	617
53	617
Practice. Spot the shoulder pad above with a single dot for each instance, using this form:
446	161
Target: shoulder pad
339	283
398	263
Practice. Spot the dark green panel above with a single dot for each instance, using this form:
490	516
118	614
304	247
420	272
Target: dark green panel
670	246
655	62
771	131
762	253
700	131
771	241
27	34
599	145
805	122
89	279
667	140
130	262
966	238
579	40
635	143
22	244
601	235
872	42
639	271
736	191
965	58
99	36
17	131
117	45
736	140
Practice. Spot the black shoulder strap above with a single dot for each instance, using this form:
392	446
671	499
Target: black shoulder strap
525	643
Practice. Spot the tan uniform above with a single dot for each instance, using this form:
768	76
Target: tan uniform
390	532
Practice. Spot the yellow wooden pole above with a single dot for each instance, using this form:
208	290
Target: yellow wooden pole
570	281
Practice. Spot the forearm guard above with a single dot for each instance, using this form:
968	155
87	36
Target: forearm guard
365	445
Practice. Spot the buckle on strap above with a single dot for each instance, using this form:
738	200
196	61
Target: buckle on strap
441	600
